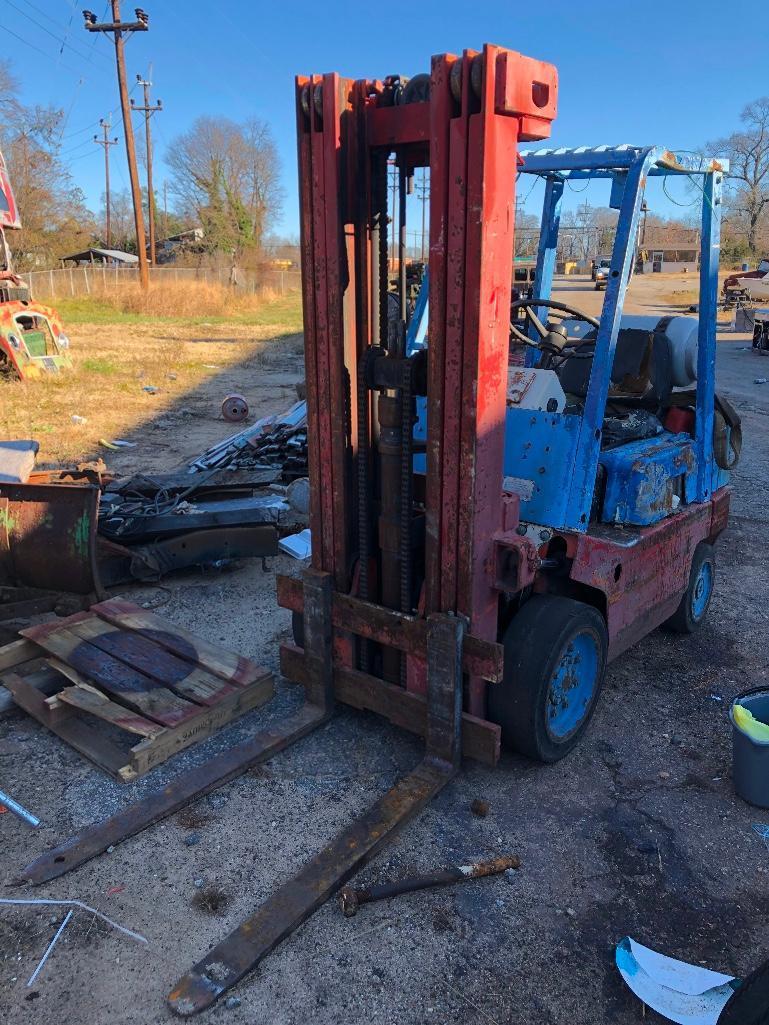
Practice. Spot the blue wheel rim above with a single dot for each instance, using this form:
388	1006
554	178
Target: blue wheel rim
703	588
572	686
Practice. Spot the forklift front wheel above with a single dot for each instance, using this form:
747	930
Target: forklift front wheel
555	663
694	605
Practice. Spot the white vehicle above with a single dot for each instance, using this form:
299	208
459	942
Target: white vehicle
752	284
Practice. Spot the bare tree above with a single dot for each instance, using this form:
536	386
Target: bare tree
52	209
587	231
229	174
748	153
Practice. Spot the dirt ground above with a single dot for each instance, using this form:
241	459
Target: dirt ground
637	832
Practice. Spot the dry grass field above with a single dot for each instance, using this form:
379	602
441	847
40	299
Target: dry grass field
179	340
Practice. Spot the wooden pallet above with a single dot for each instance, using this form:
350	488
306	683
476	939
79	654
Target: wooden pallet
136	671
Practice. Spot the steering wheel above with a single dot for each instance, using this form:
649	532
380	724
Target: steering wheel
553	339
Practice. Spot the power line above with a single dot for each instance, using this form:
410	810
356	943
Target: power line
75	50
106	142
148	110
37	49
94	124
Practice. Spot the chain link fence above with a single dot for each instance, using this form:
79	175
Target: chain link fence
85	280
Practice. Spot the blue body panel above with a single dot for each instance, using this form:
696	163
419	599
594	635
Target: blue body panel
646	479
551	460
537	447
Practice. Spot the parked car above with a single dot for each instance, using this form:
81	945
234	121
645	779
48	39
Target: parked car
599	272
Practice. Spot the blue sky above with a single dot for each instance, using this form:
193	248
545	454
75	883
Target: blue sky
675	73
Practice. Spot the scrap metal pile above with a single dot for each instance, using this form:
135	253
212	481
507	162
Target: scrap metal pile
224	506
271	443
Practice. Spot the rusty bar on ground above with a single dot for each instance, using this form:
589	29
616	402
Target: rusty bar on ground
351	898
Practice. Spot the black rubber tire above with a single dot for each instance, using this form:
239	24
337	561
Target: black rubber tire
749	1005
683	620
534	643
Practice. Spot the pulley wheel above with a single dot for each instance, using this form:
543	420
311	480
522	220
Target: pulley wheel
235	409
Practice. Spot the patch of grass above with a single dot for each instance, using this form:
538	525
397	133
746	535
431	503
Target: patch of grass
112	363
185	302
94	365
211	899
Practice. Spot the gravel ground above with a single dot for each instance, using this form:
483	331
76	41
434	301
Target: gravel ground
637	832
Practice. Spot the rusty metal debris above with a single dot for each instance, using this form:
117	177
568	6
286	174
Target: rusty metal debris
271	442
351	898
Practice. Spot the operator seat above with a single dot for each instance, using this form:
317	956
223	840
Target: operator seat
641	384
642	372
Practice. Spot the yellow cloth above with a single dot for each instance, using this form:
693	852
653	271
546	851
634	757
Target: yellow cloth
750	726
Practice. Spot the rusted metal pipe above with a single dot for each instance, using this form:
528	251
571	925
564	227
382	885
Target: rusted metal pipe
350	898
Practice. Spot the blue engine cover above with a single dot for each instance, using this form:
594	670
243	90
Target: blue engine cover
647	480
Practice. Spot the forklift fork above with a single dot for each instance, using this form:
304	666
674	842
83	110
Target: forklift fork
297	899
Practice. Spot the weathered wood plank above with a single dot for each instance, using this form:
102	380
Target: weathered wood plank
225	664
78	734
16	652
149	753
89	699
149	658
126	685
396	629
480	739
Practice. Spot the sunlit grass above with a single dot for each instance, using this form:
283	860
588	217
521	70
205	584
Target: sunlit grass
117	354
179	302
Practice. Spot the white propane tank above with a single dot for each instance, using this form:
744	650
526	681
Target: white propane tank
682	334
681	331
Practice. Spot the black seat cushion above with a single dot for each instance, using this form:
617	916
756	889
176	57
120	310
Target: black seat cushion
642	366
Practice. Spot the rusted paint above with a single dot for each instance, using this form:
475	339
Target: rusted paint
394	629
642	573
51	530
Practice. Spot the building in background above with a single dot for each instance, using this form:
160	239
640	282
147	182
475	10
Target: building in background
667	249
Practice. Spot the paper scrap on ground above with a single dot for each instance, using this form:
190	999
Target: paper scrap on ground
299	545
684	993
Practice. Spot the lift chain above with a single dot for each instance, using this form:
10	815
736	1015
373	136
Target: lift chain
364	509
407	470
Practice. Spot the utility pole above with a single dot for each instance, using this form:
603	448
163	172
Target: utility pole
165	209
148	112
116	28
106	143
424	194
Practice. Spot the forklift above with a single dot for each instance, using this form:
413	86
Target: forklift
502	500
488	531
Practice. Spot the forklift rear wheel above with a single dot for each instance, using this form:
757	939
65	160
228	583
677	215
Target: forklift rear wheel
555	663
696	600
